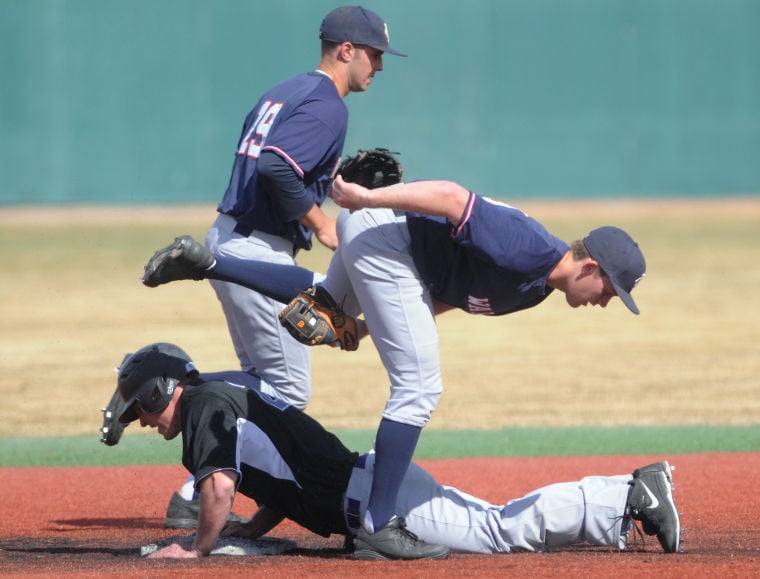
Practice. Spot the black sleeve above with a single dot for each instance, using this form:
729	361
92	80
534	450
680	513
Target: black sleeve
209	433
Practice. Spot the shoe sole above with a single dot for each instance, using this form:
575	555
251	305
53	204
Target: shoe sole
112	429
667	470
180	524
364	555
111	433
672	506
371	555
157	261
664	467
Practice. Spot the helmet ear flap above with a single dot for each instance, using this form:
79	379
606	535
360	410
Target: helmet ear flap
156	395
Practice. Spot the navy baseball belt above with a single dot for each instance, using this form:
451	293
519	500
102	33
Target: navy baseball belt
247	230
244	230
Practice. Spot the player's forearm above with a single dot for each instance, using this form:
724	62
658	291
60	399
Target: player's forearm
217	492
263	521
438	198
315	219
213	516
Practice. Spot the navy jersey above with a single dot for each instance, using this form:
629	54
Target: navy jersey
285	459
304	121
495	262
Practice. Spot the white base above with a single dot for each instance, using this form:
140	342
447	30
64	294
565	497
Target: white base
232	546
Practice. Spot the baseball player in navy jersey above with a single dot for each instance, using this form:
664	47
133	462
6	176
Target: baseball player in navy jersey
410	251
291	144
238	439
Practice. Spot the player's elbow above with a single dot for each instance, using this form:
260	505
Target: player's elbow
223	483
454	199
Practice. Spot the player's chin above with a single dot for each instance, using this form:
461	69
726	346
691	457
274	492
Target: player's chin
170	434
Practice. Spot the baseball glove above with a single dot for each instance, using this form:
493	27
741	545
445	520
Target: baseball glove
372	169
313	317
112	429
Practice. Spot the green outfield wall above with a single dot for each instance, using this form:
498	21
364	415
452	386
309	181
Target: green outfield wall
142	101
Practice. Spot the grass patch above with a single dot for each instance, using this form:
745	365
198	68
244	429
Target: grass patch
87	451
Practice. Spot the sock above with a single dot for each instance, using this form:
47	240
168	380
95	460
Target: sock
187	491
394	448
278	281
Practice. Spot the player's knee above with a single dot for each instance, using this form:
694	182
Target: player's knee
415	410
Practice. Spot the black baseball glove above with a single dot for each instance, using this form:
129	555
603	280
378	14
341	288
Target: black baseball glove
372	169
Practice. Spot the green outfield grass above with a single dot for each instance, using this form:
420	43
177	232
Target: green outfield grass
87	451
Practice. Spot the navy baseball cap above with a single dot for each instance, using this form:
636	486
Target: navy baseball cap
620	258
359	26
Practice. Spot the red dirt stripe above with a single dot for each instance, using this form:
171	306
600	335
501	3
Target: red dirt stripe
90	521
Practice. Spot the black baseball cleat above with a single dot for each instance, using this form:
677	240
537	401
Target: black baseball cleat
650	501
112	429
186	258
394	541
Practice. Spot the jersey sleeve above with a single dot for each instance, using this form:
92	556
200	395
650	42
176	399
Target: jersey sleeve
276	174
311	142
209	437
507	237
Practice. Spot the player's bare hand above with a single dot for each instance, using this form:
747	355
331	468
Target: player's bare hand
351	196
175	551
327	235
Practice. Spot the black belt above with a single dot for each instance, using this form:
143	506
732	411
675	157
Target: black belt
244	230
353	511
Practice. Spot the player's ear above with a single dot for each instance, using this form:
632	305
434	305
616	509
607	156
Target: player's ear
346	52
589	267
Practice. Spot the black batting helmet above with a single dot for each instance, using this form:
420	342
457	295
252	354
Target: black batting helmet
148	378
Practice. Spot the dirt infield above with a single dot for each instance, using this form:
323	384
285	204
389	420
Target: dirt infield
91	522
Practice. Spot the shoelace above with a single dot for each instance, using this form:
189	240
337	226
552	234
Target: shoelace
639	539
407	532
